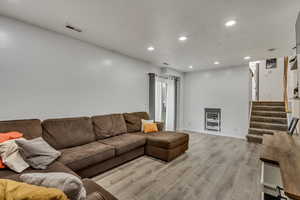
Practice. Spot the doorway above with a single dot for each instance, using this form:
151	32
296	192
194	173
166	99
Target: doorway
254	68
163	99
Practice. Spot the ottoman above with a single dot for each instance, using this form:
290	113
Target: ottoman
165	145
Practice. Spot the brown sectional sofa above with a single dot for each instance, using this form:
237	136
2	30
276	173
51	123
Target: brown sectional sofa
94	145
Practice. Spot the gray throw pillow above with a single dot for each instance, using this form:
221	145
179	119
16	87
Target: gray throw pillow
37	152
71	185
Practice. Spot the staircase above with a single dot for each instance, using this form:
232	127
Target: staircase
266	117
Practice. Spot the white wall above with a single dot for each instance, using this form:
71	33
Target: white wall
271	81
294	104
44	74
227	89
298	34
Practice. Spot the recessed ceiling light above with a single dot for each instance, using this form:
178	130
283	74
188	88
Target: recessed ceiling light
4	39
151	48
182	38
191	67
107	62
216	62
247	57
230	23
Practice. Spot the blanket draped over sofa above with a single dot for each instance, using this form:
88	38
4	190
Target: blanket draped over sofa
11	190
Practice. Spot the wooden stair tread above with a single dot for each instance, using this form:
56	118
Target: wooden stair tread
267	111
263	131
279	103
268	101
269	124
254	138
278	114
267	117
267	106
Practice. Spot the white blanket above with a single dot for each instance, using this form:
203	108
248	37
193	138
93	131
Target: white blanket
9	153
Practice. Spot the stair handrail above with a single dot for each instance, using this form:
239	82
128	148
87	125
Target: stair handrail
250	112
285	83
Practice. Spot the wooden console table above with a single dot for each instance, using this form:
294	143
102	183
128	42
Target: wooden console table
284	150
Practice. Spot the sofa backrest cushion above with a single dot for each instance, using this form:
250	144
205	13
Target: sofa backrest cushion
31	128
134	120
68	132
106	126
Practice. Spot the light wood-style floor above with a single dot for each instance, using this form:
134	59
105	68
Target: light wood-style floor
214	168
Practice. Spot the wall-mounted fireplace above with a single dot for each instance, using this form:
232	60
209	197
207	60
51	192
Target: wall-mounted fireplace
212	119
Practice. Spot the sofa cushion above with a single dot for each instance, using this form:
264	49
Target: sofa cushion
68	132
125	143
86	155
106	126
54	167
134	120
30	128
166	139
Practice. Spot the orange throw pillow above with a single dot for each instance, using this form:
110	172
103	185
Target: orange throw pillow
150	128
8	136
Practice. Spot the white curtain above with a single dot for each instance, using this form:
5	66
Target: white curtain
162	85
158	99
170	115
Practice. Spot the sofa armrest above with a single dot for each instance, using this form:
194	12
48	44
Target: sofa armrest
95	196
96	192
160	126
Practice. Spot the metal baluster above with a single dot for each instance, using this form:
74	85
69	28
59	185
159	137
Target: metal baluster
280	193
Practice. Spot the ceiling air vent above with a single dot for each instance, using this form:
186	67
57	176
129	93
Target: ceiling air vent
73	28
272	49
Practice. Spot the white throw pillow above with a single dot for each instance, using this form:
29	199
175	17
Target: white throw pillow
145	122
11	157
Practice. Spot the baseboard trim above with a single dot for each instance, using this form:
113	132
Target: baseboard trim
216	133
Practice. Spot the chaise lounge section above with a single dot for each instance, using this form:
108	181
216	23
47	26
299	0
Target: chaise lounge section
92	145
164	145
